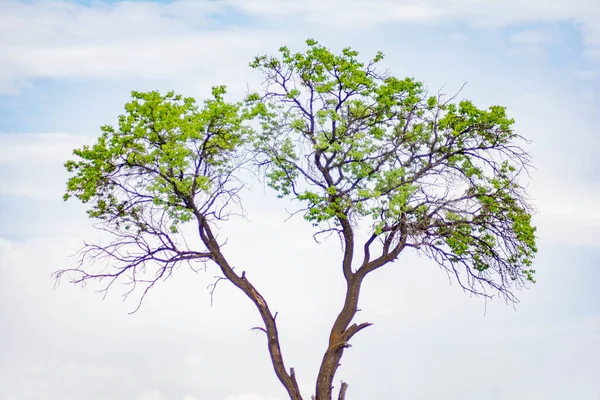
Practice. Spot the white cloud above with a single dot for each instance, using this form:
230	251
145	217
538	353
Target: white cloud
143	40
570	215
587	74
31	165
535	37
245	396
356	14
154	41
499	12
151	395
194	359
39	148
6	245
593	52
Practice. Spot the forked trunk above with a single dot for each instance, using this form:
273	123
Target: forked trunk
341	333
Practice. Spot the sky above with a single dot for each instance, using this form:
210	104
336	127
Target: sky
68	67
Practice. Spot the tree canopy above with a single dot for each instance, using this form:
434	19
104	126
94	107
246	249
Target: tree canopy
359	149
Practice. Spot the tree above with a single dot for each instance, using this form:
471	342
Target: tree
362	151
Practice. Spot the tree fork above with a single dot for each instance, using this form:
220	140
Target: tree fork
339	338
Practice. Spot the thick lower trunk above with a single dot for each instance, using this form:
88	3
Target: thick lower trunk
341	333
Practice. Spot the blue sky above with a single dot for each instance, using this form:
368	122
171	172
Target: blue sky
68	67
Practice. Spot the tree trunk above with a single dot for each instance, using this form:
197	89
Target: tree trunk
341	333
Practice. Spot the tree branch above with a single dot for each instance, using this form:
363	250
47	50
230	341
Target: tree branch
288	380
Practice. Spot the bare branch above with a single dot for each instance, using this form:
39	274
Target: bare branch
343	388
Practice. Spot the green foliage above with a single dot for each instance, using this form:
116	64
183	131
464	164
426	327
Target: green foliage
165	154
353	144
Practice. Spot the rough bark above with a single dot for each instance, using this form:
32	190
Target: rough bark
342	330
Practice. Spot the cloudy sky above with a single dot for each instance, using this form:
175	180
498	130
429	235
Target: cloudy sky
68	67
